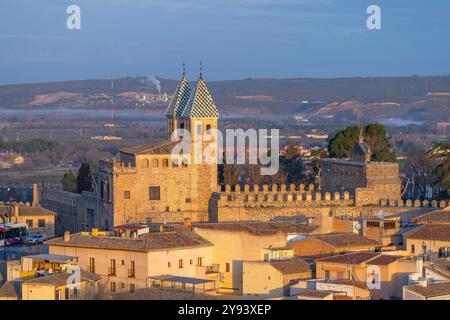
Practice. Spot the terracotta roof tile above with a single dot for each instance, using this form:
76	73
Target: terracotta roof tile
291	266
432	231
435	289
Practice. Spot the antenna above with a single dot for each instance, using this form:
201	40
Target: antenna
201	70
184	69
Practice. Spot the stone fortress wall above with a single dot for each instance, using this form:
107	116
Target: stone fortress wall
266	203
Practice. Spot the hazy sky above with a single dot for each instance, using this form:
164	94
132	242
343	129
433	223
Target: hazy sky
234	38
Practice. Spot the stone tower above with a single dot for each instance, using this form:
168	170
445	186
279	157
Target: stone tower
200	118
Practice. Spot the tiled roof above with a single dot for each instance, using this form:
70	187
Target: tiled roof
348	282
315	294
200	104
258	228
61	278
164	147
435	289
180	99
152	241
442	267
356	258
432	231
26	210
438	216
345	240
291	266
10	289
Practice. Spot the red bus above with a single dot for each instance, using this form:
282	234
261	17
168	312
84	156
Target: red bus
12	233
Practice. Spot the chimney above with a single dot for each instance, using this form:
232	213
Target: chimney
35	195
67	236
187	224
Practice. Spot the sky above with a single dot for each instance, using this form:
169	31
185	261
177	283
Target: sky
234	39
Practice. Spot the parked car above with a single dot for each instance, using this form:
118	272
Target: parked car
35	239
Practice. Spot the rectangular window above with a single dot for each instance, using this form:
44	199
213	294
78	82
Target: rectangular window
199	261
169	264
126	194
58	294
29	223
180	263
227	267
112	286
132	288
327	275
413	249
188	200
131	270
112	267
165	163
91	267
67	293
154	193
41	223
76	293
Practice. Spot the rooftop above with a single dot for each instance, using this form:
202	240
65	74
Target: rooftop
61	278
24	209
53	258
259	228
153	241
163	147
438	216
355	258
315	294
10	289
431	231
434	289
345	239
291	266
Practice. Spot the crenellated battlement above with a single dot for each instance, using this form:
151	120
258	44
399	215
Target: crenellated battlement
306	196
278	196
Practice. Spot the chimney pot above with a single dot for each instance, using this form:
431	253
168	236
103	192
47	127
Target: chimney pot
67	236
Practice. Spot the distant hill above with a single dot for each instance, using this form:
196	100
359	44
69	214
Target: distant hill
412	98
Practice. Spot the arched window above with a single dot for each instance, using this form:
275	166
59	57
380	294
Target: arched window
145	163
208	127
155	163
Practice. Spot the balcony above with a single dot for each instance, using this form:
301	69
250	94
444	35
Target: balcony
214	268
111	272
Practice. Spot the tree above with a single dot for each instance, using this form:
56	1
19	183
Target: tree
343	143
84	179
69	181
441	173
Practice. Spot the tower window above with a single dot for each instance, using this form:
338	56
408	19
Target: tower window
155	163
208	127
199	129
145	163
154	193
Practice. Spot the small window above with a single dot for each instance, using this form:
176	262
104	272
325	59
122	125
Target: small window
208	127
58	294
175	163
76	293
29	223
199	261
145	163
91	267
126	194
67	293
154	193
132	287
112	286
184	163
180	263
167	209
41	223
191	261
155	163
169	265
327	275
227	267
165	163
188	200
413	249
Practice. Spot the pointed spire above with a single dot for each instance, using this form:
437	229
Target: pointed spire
361	133
201	71
201	104
180	97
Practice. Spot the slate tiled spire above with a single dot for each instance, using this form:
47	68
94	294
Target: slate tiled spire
200	104
180	98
